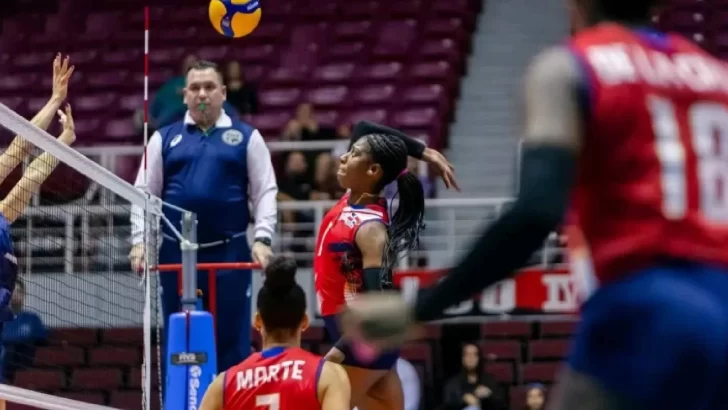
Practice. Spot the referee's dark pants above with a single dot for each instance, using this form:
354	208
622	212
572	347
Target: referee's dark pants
234	290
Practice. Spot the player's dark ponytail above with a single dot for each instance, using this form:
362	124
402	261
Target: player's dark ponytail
281	301
405	224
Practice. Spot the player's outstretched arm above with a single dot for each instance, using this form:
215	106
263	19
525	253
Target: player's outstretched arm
16	201
19	149
334	390
213	398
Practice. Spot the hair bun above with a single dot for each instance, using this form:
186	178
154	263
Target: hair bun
280	275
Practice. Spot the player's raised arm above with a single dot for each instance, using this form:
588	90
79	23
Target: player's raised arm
16	201
213	399
415	149
334	390
19	149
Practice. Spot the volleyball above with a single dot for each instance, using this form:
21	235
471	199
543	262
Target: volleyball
235	18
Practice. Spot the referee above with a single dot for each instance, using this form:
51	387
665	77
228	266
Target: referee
213	165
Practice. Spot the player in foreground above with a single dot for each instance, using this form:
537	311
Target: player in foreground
358	245
282	375
631	125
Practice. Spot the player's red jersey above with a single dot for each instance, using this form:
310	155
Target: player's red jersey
276	378
653	175
337	264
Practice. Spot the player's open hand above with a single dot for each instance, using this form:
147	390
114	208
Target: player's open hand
136	258
61	76
443	166
68	136
376	322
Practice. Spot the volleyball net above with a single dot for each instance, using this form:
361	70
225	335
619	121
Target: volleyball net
87	326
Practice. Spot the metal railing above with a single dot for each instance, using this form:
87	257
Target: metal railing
98	235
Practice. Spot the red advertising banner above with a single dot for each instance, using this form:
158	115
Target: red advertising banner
531	291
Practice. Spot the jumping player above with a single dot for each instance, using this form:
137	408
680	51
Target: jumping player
630	126
356	249
282	375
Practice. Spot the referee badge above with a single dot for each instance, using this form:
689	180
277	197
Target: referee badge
177	138
232	137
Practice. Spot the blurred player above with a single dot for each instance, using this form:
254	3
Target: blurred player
282	375
631	126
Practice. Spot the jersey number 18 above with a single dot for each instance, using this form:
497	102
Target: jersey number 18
708	124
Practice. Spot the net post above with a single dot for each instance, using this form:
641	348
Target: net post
188	246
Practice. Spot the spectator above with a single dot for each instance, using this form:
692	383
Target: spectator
472	388
296	186
168	100
343	136
21	335
413	166
535	397
325	184
241	94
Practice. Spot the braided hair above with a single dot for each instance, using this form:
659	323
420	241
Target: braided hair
405	224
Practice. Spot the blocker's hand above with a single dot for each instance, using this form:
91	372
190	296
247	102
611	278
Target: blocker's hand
136	258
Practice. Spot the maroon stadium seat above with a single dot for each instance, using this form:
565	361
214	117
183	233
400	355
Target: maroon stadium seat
256	54
121	130
501	350
548	349
380	72
131	102
344	51
542	372
73	337
39	379
506	330
112	355
287	76
333	72
33	61
358	30
502	371
558	328
59	356
280	98
376	95
13	83
368	115
421	352
96	379
109	80
328	96
86	397
124	336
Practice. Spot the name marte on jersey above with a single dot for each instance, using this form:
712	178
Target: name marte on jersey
620	63
287	370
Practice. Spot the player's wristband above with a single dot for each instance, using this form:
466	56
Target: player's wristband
371	279
264	241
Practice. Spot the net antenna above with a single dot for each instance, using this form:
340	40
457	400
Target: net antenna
147	313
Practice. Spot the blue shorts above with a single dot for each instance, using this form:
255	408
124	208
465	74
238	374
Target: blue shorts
659	337
385	361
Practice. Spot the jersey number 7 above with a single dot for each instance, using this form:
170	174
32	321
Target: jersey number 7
708	126
271	401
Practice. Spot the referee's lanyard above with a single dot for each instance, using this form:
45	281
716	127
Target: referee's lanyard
214	243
